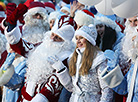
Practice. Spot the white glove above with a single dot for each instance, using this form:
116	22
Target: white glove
56	63
112	59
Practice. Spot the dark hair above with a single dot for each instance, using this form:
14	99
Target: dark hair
108	40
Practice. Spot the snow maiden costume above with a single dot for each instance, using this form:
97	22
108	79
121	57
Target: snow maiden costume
87	88
127	83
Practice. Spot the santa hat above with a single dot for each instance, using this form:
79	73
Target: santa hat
84	17
36	7
108	22
66	7
88	32
53	15
50	7
64	20
66	1
65	32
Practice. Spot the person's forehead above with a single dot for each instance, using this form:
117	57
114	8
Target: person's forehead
133	18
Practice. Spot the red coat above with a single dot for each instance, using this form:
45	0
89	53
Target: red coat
50	89
3	57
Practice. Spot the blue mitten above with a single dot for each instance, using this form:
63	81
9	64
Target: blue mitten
9	60
111	59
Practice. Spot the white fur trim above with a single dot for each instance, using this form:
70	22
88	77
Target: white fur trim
108	22
37	9
58	65
49	9
13	36
86	36
2	43
64	77
82	18
53	15
2	23
113	78
65	8
99	59
5	77
39	98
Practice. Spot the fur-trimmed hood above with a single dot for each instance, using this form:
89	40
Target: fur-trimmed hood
108	22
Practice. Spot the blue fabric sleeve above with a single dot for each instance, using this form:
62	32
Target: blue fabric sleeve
122	88
17	79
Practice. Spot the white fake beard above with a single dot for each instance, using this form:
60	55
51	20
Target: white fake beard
129	47
39	69
34	29
34	33
2	44
128	29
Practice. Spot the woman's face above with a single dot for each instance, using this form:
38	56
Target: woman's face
100	29
80	41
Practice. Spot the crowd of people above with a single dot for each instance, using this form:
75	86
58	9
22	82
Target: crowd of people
66	52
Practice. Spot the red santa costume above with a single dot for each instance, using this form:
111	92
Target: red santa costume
42	84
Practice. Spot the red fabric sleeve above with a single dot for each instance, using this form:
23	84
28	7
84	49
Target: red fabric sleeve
52	89
22	47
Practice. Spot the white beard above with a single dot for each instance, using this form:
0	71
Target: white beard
128	29
128	45
33	34
34	29
2	44
39	69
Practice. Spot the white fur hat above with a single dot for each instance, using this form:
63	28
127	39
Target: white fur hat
84	18
53	15
66	7
65	32
108	22
88	32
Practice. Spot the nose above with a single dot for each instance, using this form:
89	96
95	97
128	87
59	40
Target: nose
38	17
133	24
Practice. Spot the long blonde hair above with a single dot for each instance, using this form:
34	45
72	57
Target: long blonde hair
87	59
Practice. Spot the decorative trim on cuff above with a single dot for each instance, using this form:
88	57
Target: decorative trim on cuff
3	23
39	98
13	36
64	77
6	76
112	78
58	65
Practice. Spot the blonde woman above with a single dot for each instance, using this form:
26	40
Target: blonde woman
85	66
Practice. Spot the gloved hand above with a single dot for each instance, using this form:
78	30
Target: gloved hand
10	7
16	14
8	62
56	63
111	59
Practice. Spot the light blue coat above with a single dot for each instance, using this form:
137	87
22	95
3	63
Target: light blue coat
12	89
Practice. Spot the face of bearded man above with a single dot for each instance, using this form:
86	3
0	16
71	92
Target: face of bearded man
39	69
34	29
128	28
